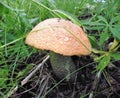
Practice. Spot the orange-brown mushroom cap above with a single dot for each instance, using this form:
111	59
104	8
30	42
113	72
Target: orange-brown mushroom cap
61	36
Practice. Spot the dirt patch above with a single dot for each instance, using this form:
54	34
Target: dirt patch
108	85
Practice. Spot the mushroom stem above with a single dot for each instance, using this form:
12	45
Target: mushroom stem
62	66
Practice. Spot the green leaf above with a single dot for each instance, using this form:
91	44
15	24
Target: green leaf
115	55
115	19
33	20
70	16
103	19
25	71
103	63
93	41
9	7
115	31
103	37
96	23
3	77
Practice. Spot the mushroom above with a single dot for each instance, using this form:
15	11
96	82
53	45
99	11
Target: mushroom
63	39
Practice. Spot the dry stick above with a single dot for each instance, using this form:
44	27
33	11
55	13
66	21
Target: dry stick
12	91
97	78
44	83
24	81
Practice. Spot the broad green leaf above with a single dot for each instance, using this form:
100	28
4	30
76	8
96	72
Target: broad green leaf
103	19
93	25
115	55
103	63
115	19
93	41
116	31
103	37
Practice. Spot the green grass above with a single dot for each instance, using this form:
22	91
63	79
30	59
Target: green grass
19	17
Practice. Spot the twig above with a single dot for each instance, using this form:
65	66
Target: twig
95	83
12	91
44	82
24	81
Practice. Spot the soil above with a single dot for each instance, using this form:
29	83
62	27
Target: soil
85	85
